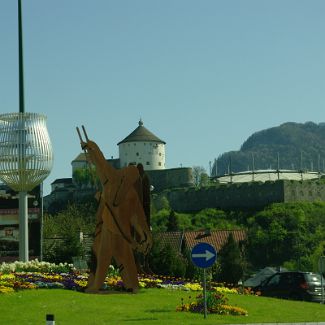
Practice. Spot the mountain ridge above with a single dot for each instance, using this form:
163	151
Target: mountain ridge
291	145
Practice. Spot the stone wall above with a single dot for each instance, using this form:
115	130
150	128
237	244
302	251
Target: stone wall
170	178
244	196
226	196
309	191
176	185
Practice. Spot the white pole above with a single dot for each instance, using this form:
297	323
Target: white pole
23	227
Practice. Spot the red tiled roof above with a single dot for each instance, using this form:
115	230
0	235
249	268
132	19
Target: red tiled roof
172	238
217	239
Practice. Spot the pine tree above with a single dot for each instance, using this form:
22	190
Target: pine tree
172	224
231	263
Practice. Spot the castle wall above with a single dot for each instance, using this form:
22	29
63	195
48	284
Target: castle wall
226	196
304	191
170	178
244	196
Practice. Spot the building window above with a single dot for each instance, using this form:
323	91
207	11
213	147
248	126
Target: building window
147	163
159	164
159	153
137	154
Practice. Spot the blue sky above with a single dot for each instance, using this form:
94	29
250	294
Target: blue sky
203	75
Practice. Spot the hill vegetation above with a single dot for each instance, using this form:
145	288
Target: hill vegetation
283	234
288	146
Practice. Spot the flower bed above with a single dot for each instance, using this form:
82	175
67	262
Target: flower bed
217	303
37	275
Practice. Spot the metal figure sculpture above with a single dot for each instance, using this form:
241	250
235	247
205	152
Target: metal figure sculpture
121	225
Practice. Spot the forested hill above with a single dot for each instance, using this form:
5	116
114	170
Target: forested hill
298	146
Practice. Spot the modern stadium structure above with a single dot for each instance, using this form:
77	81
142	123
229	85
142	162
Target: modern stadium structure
264	175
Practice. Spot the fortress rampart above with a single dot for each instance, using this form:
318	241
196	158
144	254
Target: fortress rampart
243	196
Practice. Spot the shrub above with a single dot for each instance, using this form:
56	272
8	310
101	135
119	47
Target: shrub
165	260
230	261
217	303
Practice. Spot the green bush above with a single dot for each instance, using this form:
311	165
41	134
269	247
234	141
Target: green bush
62	232
230	261
165	260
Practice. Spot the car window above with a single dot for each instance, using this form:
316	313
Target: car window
286	279
273	281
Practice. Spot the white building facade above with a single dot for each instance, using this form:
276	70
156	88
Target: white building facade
142	146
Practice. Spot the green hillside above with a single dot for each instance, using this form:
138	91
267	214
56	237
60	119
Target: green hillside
290	145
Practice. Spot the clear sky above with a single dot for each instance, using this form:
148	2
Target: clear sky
203	75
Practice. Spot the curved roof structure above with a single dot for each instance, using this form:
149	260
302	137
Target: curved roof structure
267	175
141	134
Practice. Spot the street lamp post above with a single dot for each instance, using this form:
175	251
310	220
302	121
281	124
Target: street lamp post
26	156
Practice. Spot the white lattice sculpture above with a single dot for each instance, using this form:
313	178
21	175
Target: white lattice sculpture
26	157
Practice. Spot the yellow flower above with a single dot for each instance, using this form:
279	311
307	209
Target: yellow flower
6	289
234	310
81	283
6	283
193	286
8	276
142	284
183	307
225	290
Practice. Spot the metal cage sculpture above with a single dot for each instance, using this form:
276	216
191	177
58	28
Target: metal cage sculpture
26	156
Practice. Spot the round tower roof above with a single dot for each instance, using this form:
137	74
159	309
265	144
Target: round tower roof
141	134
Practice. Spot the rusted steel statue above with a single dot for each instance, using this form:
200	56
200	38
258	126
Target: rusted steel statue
121	225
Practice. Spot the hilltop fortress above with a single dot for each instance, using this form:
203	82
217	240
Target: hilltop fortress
241	191
140	146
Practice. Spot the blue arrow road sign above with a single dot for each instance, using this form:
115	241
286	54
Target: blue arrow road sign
203	255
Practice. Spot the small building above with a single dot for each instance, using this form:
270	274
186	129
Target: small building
142	146
9	223
61	183
79	162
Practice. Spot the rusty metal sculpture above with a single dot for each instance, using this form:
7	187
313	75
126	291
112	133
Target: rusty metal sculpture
121	225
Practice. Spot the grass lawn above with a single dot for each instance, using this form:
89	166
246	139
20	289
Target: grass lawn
150	306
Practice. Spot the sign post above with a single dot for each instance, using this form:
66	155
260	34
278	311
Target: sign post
204	255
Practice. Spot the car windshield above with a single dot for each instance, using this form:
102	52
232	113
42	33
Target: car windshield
312	277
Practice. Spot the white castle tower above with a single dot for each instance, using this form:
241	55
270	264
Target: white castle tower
142	146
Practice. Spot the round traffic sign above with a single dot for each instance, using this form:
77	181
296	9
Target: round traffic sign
203	255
